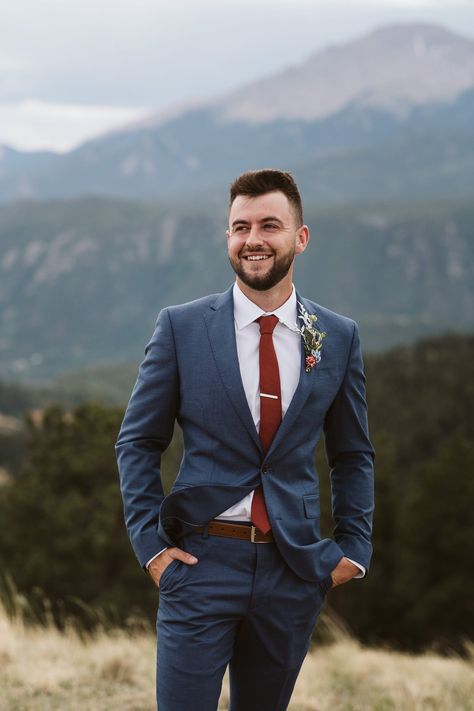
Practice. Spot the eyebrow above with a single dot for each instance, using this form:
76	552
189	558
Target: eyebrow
270	218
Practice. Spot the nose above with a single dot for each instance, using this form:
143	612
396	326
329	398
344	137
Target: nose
254	240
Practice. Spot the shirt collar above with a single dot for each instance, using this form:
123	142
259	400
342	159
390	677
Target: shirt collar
246	312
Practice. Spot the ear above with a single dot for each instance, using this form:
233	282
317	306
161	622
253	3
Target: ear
302	239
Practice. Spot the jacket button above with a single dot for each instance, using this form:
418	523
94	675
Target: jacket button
266	470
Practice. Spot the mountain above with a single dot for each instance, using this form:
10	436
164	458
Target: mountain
401	97
82	281
394	68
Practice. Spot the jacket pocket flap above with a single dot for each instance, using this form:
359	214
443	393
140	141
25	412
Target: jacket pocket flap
311	506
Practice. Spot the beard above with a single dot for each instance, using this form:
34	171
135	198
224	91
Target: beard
263	282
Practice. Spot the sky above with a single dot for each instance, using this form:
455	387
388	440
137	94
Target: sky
73	69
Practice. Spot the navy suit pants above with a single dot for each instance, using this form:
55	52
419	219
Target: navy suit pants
240	606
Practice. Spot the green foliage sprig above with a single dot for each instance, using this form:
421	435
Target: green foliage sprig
312	337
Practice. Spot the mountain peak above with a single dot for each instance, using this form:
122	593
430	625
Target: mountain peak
407	30
394	68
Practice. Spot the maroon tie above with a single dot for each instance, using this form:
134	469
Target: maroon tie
270	410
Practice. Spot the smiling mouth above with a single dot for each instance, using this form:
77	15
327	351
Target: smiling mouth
256	257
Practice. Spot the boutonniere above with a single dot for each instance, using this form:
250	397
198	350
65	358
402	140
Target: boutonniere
312	337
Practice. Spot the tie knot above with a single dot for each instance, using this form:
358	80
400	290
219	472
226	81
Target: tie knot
267	323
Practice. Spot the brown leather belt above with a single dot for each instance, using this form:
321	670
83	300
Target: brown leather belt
236	530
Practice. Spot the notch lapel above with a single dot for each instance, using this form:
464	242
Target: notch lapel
219	321
306	385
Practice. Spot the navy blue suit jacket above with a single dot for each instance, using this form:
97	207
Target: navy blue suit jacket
191	374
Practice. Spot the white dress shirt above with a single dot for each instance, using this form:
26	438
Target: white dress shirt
287	343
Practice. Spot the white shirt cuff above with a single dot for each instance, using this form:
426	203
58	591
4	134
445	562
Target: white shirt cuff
361	568
157	554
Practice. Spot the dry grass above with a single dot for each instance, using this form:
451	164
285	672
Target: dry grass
46	670
42	669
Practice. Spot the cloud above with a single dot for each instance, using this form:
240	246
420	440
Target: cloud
135	52
10	63
402	4
38	125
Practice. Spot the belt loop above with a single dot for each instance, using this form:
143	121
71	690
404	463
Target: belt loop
205	531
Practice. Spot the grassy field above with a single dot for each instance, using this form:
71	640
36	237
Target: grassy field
42	669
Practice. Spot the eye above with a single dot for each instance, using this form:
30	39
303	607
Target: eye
270	226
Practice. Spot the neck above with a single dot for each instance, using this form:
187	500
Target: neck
271	299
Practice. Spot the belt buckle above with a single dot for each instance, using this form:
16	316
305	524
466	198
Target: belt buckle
253	531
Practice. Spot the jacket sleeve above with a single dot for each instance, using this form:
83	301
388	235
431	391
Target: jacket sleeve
351	456
146	431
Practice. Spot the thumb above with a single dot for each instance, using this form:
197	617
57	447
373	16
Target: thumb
184	557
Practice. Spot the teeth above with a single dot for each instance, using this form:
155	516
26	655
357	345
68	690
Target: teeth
257	257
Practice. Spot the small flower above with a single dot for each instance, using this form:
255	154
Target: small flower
310	363
312	338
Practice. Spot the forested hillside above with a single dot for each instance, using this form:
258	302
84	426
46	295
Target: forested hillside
82	281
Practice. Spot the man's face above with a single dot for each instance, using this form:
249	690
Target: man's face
263	238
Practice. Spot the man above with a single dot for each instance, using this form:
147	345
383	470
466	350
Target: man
253	376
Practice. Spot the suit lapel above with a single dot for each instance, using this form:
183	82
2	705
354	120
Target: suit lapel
221	331
306	386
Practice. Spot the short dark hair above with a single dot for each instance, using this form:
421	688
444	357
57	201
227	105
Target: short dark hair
259	182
